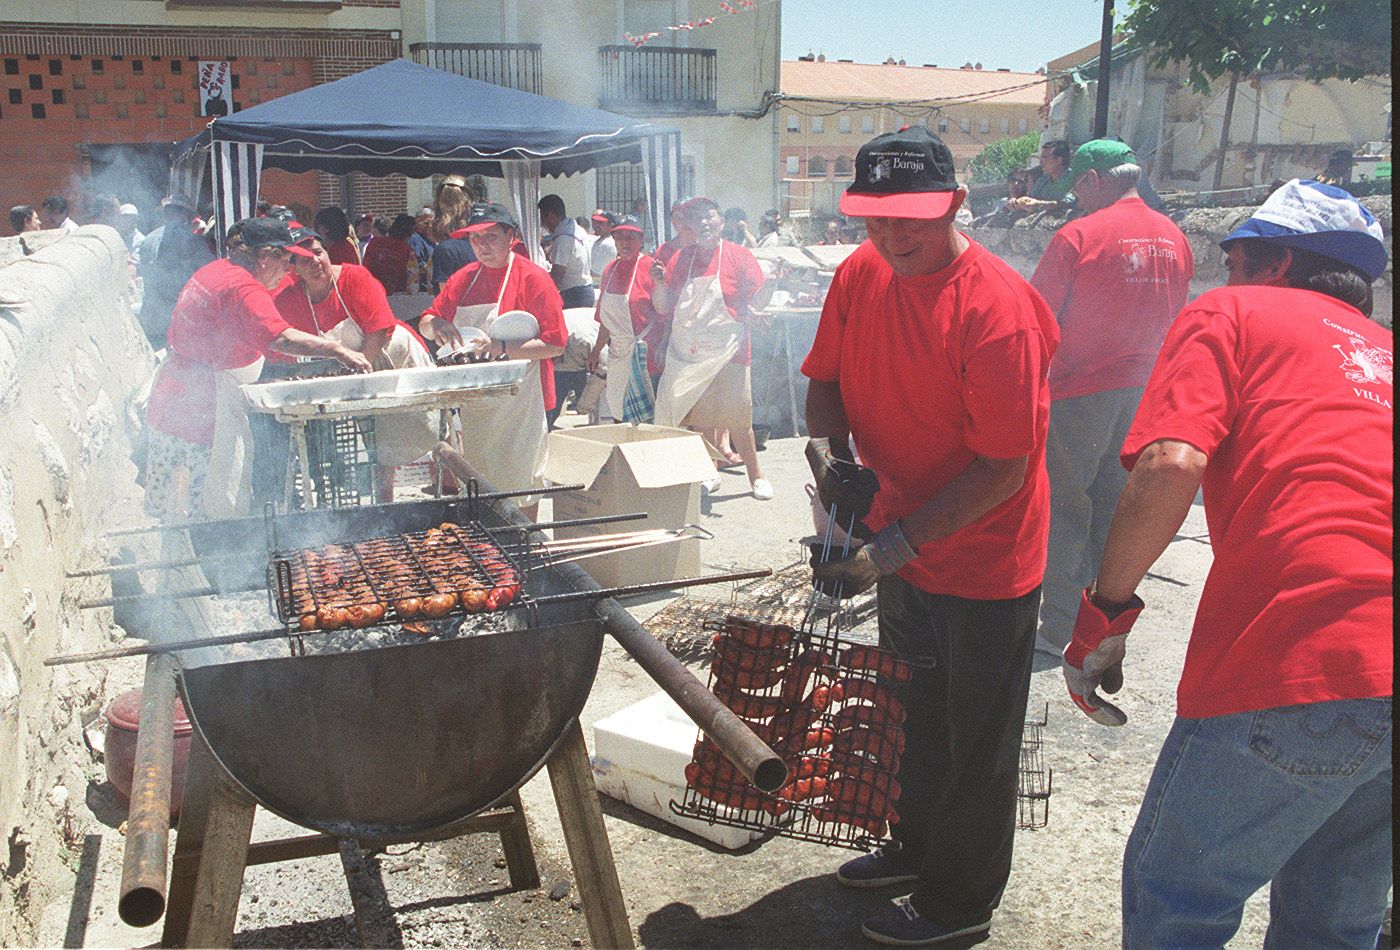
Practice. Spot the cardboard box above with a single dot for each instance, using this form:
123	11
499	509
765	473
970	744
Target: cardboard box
639	757
631	468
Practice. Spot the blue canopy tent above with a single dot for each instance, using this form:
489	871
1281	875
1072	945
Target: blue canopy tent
418	121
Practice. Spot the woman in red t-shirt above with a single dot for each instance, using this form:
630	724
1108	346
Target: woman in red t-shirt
625	313
335	230
389	257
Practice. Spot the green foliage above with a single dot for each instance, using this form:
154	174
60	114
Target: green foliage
1344	39
998	159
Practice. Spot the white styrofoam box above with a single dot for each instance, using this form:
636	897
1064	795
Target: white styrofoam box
639	757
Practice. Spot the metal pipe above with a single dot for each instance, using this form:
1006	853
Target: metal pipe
759	764
142	900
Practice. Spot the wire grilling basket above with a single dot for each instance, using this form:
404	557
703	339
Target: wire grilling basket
342	460
1035	780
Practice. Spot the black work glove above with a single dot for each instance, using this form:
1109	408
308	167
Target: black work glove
841	484
859	571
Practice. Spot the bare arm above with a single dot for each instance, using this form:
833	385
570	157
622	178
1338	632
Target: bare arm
296	343
976	490
529	350
826	417
660	293
1152	507
595	354
557	274
374	344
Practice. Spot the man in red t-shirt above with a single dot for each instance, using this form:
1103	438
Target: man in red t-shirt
1274	396
1115	279
933	354
388	258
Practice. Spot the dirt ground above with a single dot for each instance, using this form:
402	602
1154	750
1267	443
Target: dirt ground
684	892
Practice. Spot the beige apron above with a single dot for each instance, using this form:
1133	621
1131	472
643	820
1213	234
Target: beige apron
228	485
615	312
401	438
704	339
504	438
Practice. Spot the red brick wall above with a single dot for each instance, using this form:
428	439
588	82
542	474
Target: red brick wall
62	88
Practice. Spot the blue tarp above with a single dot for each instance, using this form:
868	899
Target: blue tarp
415	120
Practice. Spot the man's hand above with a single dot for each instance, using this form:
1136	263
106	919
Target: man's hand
841	483
1094	656
356	361
858	572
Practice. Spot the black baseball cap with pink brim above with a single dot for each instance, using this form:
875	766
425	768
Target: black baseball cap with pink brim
904	174
267	232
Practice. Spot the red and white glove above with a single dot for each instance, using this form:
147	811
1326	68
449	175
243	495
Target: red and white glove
1094	657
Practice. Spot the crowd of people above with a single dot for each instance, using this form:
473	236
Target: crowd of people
1015	454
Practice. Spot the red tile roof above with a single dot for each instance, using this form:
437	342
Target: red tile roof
878	82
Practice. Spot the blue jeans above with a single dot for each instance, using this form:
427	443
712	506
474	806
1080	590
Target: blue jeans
1296	795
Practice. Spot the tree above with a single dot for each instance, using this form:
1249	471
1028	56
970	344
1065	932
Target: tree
1324	39
997	160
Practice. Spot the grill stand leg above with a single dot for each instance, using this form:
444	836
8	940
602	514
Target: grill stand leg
374	915
211	852
515	843
576	796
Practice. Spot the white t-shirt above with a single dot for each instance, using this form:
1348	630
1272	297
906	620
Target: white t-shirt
604	253
568	248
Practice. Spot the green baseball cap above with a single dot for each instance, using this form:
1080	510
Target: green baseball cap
1100	155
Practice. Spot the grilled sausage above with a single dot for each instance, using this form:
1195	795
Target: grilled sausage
747	658
330	618
842	815
802	670
749	707
878	661
763	636
438	605
708	786
307	622
865	690
732	677
883	747
808	766
408	607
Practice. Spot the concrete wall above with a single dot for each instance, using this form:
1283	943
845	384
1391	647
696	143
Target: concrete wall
1022	246
71	356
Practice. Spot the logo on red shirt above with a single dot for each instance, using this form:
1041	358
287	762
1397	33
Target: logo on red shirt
1367	364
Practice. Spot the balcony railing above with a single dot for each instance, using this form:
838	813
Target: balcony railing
657	81
514	65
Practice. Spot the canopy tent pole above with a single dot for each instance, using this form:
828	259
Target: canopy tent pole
523	181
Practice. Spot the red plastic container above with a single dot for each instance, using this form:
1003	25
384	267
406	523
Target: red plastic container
123	717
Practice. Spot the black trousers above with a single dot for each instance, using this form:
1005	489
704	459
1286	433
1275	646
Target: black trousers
966	708
565	383
580	296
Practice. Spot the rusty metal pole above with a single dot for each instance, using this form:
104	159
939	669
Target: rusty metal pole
1105	57
760	764
142	899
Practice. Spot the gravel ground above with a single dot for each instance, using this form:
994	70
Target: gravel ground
682	891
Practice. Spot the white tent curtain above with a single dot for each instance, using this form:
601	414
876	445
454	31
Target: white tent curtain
663	177
237	167
523	183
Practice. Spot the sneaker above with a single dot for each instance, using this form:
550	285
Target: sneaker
876	869
710	485
900	925
762	489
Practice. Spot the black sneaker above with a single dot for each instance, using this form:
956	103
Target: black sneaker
900	925
879	868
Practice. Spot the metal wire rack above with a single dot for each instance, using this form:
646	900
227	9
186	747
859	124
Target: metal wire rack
342	460
1035	780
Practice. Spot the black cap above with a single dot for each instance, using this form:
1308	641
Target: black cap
281	213
607	217
264	232
904	174
487	213
301	233
628	222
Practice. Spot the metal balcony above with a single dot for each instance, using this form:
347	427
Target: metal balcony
657	81
513	65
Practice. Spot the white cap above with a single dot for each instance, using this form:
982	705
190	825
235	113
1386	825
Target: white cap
128	209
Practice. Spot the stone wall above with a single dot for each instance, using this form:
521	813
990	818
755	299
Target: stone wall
1022	245
71	356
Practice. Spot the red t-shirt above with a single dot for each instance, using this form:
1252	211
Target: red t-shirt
223	319
387	259
343	252
357	295
1115	279
935	370
646	323
1289	394
740	279
530	288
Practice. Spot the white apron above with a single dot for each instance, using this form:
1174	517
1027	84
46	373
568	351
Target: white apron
615	313
228	485
704	339
401	438
504	438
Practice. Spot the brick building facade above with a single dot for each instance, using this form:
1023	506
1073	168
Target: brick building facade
70	93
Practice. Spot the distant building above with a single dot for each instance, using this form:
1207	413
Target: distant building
830	107
1282	127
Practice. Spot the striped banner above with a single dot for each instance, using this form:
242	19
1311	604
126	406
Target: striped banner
237	166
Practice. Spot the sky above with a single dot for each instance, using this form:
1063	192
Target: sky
1016	34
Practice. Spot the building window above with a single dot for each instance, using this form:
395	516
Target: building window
794	123
842	167
965	125
843	124
867	124
1021	126
792	169
818	125
984	126
1005	126
942	125
816	167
